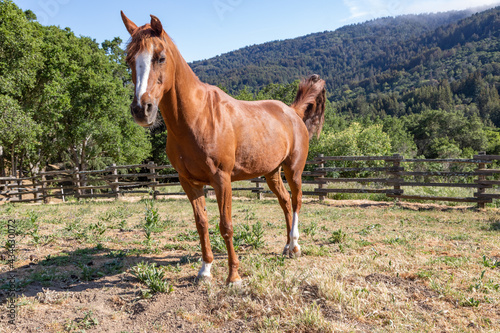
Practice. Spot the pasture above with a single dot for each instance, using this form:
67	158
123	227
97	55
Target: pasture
130	265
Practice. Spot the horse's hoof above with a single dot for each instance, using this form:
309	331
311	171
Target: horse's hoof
286	251
295	253
200	279
235	284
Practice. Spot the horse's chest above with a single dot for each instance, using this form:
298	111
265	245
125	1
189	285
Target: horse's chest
190	163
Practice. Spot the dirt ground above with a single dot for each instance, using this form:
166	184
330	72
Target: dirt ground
63	300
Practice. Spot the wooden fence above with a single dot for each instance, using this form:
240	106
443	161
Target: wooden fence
387	175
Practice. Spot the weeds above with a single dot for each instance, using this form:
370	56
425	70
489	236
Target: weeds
151	221
96	231
189	236
152	276
217	242
311	229
257	240
367	230
470	302
123	225
112	267
316	251
481	286
337	237
87	322
396	241
88	273
490	263
34	227
244	235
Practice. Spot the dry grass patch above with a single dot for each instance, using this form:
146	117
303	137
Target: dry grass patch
366	266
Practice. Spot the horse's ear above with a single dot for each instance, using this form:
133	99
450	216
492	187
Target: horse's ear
131	26
156	25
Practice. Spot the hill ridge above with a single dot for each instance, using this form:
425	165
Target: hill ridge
346	55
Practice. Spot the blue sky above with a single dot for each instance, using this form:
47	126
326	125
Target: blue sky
205	28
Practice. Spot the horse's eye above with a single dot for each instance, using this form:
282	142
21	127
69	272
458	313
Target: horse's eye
161	60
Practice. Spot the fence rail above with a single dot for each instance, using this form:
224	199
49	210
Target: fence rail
376	174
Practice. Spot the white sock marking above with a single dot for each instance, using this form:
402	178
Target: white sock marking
294	234
142	67
205	270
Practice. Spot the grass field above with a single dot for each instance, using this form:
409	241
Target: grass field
130	266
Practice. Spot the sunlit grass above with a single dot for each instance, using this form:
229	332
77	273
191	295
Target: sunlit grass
396	267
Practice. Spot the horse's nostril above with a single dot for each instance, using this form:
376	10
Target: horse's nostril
149	108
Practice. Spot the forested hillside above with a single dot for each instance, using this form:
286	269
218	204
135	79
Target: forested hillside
428	82
351	53
418	85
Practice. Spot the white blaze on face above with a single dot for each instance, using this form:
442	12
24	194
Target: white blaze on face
142	69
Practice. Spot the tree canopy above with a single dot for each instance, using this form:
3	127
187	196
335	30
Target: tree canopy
63	98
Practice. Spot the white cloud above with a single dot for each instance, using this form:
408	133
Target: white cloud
370	9
434	6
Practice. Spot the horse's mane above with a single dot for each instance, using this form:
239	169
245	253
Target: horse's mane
145	38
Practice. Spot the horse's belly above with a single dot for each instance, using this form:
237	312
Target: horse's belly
258	161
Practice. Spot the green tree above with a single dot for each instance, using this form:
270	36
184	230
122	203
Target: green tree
281	92
95	129
19	63
64	98
19	134
19	47
355	140
434	127
402	141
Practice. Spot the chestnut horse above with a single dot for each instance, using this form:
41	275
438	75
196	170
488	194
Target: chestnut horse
214	139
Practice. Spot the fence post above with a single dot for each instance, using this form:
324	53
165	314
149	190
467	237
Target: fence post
321	185
44	188
62	194
258	190
115	187
19	193
34	183
4	188
76	183
152	170
396	163
480	188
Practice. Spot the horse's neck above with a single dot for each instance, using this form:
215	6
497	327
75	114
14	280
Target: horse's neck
183	104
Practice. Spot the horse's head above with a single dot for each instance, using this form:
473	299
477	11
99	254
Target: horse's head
151	61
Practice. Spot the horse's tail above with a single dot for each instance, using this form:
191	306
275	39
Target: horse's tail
310	104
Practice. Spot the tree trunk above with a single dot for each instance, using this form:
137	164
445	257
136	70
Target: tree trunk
83	163
83	156
21	173
13	162
76	161
2	163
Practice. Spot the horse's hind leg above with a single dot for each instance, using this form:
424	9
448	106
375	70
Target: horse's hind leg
293	174
276	185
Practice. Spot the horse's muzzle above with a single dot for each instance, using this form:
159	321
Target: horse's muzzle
145	114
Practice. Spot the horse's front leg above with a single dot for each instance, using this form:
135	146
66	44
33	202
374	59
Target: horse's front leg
223	191
196	196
